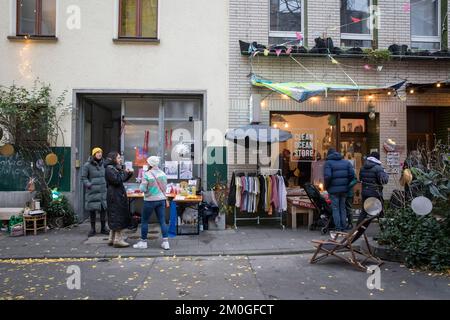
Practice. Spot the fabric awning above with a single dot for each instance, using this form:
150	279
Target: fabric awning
302	91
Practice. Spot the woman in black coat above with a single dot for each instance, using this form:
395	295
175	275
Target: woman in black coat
118	214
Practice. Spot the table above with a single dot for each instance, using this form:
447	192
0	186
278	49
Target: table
39	222
300	205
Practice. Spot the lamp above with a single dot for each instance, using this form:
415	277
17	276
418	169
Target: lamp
371	110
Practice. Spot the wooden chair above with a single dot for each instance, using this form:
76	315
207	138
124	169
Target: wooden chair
334	247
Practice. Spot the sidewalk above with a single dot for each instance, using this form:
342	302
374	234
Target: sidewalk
74	243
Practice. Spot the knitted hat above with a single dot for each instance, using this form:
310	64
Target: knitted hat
153	161
375	155
95	150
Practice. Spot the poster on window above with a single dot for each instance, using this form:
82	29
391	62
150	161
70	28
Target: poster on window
186	168
303	146
171	169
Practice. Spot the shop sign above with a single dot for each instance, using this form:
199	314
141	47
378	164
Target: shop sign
304	147
393	162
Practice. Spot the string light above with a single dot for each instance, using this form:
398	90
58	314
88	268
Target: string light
286	125
411	91
371	97
315	99
275	125
389	93
342	98
438	84
283	96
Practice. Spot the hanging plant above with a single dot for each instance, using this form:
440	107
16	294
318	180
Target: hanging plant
378	56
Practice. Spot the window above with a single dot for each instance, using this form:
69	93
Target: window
286	18
36	18
138	19
356	23
425	24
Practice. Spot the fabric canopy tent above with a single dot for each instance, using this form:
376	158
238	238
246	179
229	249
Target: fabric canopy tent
302	91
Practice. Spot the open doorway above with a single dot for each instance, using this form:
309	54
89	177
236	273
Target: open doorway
139	126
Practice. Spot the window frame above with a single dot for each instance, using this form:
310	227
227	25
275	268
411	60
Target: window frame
289	34
138	22
37	22
430	39
360	36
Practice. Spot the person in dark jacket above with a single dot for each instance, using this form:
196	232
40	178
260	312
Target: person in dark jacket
118	214
93	179
372	177
338	174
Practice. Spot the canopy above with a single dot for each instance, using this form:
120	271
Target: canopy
302	91
258	133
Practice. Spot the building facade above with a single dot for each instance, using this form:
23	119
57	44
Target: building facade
141	77
342	119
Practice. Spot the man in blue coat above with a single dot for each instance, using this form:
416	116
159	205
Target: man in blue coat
338	174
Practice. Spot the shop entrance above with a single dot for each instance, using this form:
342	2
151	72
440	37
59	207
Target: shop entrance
170	127
354	135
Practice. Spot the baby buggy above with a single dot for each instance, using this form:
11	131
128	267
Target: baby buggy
324	222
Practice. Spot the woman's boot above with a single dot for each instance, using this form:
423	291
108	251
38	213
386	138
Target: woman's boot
119	242
92	218
112	235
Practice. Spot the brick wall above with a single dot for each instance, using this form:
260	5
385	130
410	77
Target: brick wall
249	21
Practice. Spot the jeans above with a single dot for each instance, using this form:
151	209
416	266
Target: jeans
160	208
339	210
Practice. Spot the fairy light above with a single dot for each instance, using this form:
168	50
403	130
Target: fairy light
342	98
275	125
389	93
283	96
438	84
286	125
371	97
411	91
315	99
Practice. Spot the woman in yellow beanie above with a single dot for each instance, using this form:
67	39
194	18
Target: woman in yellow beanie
93	178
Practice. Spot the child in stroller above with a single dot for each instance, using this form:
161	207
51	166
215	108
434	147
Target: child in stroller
323	206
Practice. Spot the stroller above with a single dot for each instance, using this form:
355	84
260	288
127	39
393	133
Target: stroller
323	206
325	219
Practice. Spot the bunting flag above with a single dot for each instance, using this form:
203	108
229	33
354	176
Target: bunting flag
278	52
302	91
299	36
356	20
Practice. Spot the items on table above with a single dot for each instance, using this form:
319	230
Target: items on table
258	193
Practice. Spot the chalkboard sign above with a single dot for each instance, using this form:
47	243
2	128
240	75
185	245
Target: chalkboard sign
214	168
15	172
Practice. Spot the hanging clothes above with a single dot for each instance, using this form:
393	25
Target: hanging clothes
232	191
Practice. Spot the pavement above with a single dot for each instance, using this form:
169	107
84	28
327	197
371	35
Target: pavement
74	243
274	277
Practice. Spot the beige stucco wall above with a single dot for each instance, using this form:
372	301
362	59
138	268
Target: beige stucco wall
192	54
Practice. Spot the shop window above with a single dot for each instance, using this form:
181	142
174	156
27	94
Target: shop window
356	23
426	24
286	18
36	18
138	19
163	127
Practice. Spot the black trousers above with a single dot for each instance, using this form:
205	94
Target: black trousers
93	218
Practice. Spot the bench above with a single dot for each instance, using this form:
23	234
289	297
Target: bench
7	213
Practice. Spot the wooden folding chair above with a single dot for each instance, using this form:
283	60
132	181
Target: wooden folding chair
334	247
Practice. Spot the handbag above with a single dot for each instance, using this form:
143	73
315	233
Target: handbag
160	189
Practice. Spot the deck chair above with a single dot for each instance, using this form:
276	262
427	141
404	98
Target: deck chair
334	247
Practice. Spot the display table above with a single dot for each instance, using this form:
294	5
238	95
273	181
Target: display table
300	205
195	200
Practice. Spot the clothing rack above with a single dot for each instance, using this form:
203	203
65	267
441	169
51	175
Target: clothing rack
257	218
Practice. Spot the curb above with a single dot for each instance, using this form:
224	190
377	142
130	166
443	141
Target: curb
138	254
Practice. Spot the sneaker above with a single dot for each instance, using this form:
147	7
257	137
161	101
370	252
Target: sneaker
165	245
140	245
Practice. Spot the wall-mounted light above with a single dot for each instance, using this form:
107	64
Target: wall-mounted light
342	98
389	93
371	97
371	109
286	125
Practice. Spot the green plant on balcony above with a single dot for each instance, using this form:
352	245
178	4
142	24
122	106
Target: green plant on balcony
377	56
